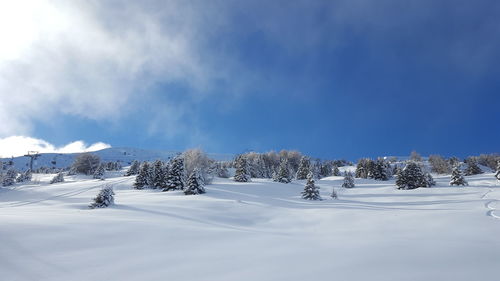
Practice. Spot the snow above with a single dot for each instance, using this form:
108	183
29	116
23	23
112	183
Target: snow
260	230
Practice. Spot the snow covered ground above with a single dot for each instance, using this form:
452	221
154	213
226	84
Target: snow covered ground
251	231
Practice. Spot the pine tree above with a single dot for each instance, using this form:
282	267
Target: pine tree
348	180
335	171
304	168
104	199
242	173
430	180
141	180
380	170
25	176
334	194
472	168
497	174
456	177
194	184
58	178
99	172
411	177
134	168
283	174
311	191
9	178
222	171
175	175
159	175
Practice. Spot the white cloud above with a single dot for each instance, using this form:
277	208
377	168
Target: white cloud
20	145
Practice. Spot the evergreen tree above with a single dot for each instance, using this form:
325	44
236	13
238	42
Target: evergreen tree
104	198
311	191
134	168
334	194
380	170
283	174
365	168
25	176
348	180
176	174
304	168
242	173
159	175
411	177
58	178
430	180
222	171
497	174
99	172
472	167
141	180
10	177
457	178
194	184
335	171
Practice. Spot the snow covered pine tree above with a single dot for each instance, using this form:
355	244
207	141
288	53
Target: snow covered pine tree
99	172
175	175
9	178
304	168
58	178
104	199
283	175
497	174
141	180
311	191
411	177
194	184
241	165
348	180
472	167
159	175
134	168
335	171
456	177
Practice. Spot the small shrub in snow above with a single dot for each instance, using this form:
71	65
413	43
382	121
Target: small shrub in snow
104	199
311	191
304	168
242	174
176	174
457	178
58	178
334	194
99	172
133	169
411	177
194	184
348	180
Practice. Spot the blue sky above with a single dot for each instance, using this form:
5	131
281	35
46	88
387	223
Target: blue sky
333	79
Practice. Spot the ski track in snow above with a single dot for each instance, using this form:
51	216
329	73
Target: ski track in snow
489	205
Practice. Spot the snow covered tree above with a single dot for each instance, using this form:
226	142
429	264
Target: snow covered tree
242	173
159	176
134	168
194	184
58	178
283	174
335	171
439	165
348	180
380	170
411	177
472	167
104	198
141	180
304	168
9	178
86	163
222	171
198	159
311	191
99	172
497	174
334	194
365	168
25	176
430	180
456	177
176	174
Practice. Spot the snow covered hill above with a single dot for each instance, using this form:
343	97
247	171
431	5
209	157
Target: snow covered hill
259	230
124	155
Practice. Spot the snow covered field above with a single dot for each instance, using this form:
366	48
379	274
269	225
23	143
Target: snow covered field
251	231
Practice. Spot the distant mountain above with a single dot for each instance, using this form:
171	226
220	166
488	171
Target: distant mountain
124	155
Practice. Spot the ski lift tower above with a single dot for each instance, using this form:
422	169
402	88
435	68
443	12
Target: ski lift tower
33	155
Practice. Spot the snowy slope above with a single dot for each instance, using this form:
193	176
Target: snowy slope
251	231
122	154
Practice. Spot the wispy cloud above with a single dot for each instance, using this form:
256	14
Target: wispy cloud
20	145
